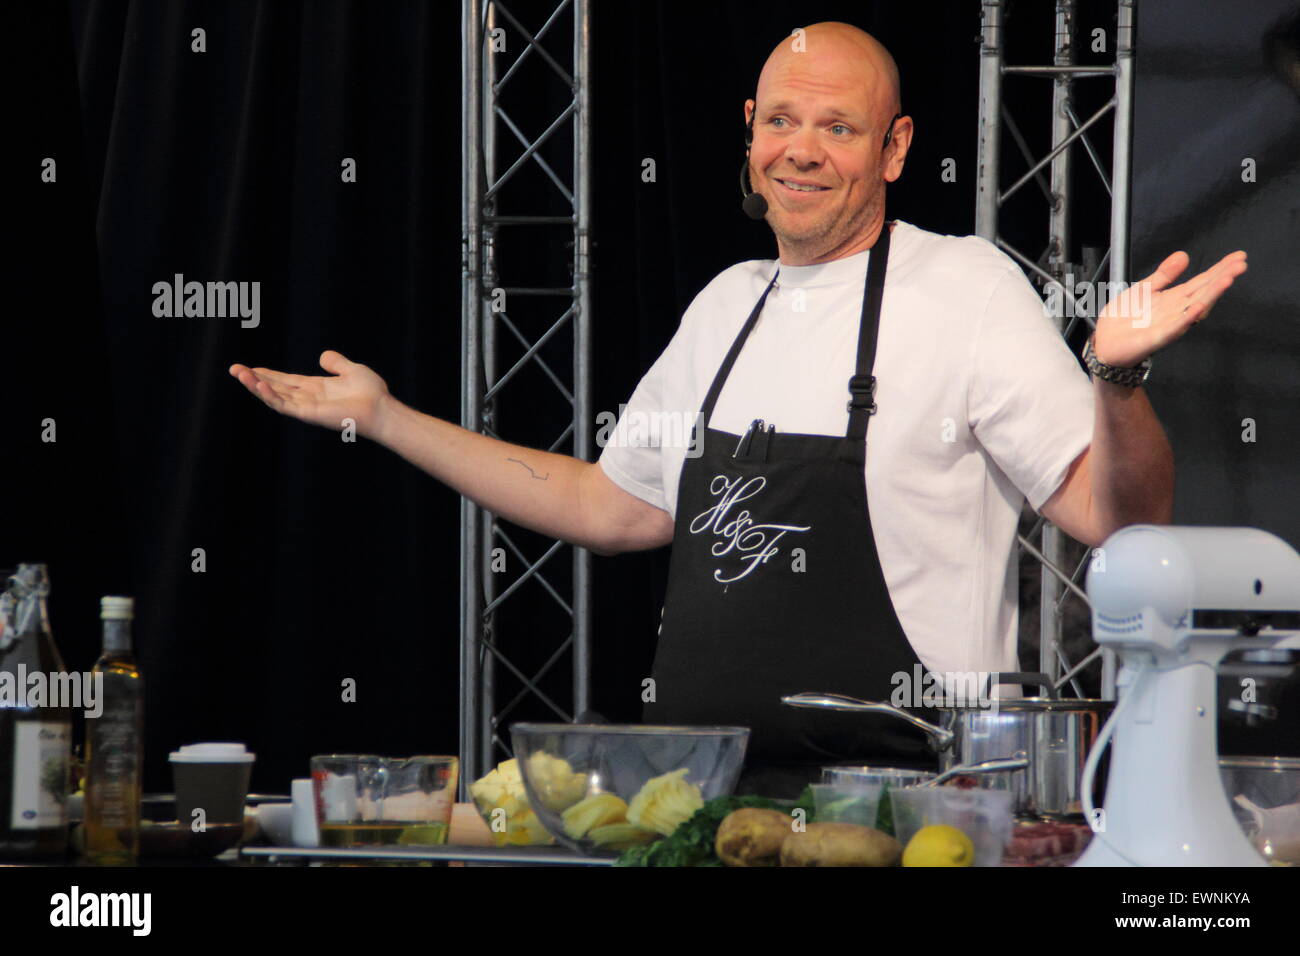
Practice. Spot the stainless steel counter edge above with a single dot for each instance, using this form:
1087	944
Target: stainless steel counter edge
540	855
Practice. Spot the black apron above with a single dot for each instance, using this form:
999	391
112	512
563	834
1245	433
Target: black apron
775	587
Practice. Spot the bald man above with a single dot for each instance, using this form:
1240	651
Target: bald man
808	555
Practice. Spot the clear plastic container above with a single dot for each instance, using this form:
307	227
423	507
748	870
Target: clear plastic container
983	815
847	803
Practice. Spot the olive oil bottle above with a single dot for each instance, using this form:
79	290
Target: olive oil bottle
35	724
114	744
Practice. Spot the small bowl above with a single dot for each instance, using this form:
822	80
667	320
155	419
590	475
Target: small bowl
602	788
275	820
886	777
1264	793
180	841
983	815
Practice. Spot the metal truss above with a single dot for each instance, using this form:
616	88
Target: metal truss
1052	266
500	148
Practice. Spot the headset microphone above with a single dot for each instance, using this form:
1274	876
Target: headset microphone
754	205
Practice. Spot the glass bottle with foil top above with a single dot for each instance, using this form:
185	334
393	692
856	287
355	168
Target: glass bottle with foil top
35	723
114	743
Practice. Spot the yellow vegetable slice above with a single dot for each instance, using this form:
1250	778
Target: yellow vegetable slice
665	802
502	788
557	786
596	810
620	836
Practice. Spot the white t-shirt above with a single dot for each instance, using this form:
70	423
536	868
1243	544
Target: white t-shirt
981	406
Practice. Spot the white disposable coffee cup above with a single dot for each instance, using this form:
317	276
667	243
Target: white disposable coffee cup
211	778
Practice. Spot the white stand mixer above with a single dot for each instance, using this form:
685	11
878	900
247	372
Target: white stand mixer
1172	601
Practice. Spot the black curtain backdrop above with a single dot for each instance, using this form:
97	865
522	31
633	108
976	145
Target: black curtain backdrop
327	560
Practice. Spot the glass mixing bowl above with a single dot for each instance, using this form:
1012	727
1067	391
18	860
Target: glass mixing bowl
601	788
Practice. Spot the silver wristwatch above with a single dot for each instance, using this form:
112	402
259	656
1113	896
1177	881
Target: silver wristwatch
1129	377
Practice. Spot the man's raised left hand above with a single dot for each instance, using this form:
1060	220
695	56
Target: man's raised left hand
1150	314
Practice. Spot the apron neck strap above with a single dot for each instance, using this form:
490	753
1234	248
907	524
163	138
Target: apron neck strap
706	410
862	386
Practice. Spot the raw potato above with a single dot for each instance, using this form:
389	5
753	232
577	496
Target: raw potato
752	837
840	844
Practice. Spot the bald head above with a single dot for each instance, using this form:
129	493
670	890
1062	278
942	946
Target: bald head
826	140
835	55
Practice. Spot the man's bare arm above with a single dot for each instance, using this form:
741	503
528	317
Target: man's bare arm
1126	476
555	495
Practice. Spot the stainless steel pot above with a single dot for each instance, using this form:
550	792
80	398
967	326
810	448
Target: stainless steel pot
1055	736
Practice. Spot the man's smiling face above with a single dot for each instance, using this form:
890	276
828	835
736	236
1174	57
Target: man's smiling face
820	120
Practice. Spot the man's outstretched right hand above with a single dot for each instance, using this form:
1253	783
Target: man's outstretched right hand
352	391
555	495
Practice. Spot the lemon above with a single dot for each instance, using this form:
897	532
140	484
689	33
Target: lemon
939	845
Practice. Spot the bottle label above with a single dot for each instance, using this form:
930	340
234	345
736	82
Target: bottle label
113	773
40	763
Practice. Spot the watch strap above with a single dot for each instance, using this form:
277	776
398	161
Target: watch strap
1129	377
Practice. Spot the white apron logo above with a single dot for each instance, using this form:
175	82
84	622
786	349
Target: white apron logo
753	543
